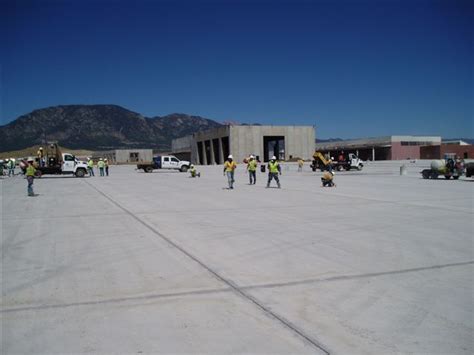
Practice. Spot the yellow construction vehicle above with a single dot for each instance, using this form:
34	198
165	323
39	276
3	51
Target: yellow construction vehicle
320	162
351	161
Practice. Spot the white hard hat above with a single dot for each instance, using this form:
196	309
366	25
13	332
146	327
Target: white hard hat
274	157
100	159
251	156
41	148
30	159
230	156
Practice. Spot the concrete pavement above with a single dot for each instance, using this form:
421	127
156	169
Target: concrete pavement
162	263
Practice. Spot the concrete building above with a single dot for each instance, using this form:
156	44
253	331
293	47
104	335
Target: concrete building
465	151
381	148
124	156
213	146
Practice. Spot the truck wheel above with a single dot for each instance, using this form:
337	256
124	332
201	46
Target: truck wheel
359	167
447	177
455	177
80	173
340	168
184	168
425	174
148	169
434	175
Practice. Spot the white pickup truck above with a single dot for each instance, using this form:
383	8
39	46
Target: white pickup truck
164	162
67	165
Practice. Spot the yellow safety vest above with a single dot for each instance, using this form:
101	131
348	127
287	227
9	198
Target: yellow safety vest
252	165
100	164
273	167
229	166
30	170
90	164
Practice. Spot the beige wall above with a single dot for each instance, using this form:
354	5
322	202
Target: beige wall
246	140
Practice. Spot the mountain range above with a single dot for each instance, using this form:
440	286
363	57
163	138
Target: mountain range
98	127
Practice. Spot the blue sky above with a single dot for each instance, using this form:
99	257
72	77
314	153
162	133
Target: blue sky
352	68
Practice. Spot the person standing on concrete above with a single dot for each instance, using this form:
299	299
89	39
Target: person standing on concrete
30	176
229	168
252	170
101	166
90	166
11	167
300	165
106	163
327	179
274	170
40	155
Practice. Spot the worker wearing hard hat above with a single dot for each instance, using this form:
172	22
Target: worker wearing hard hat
229	168
300	165
90	166
40	155
101	166
274	170
11	167
193	171
30	176
252	170
106	163
327	179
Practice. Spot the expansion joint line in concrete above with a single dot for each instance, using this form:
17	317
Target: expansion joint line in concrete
237	290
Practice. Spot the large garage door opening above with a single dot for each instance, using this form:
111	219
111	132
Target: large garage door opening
273	145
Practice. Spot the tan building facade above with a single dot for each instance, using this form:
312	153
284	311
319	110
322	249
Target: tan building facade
213	146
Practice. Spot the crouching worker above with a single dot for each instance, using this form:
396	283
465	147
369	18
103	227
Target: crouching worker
30	176
327	179
193	172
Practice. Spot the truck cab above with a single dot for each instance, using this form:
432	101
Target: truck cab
169	162
68	164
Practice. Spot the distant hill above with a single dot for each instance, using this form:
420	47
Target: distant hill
98	127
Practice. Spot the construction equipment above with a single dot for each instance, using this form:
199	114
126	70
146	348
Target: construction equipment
447	168
323	163
54	162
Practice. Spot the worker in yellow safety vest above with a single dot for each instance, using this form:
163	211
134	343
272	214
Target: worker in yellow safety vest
300	165
90	166
252	170
327	179
229	168
30	176
274	170
101	166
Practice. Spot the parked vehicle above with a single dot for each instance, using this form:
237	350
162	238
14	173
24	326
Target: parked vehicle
447	168
55	162
352	161
469	169
164	162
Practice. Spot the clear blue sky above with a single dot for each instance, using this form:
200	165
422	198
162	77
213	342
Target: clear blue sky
352	68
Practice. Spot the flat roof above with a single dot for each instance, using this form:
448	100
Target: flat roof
385	141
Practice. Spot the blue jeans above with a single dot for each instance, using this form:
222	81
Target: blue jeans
91	171
252	177
30	180
230	179
101	171
11	171
272	176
